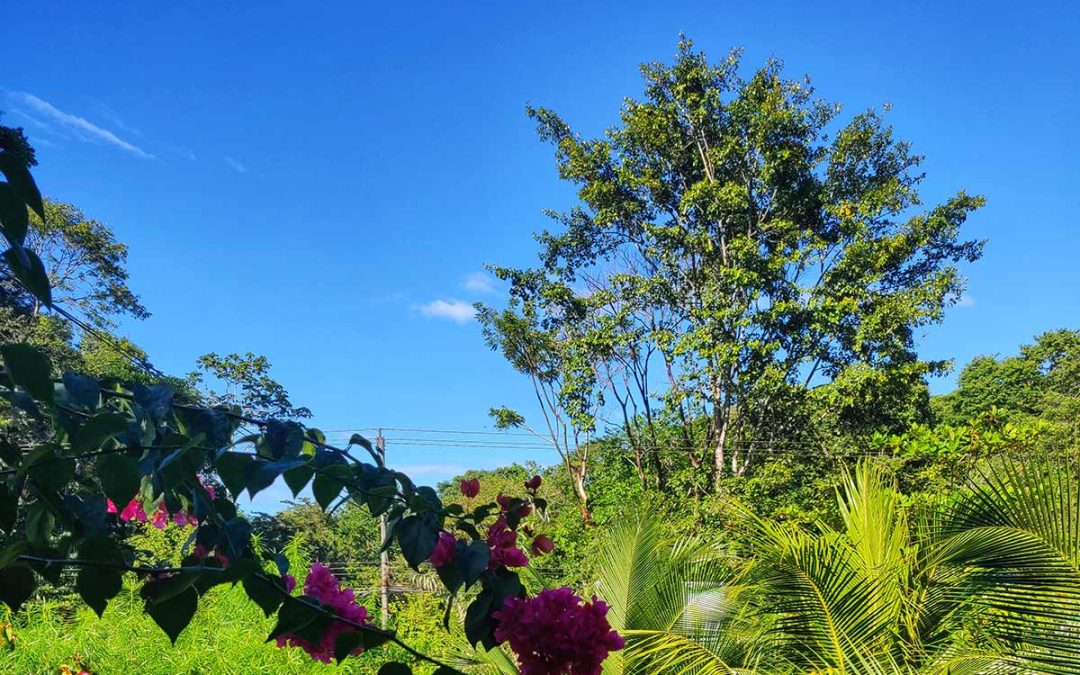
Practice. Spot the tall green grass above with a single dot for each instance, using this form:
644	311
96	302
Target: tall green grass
227	635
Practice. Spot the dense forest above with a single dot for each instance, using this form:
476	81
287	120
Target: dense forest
722	336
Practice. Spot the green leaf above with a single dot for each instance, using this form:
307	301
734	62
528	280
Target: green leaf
261	475
263	592
472	560
232	469
17	584
238	534
30	369
49	471
174	613
9	553
82	391
13	214
119	477
347	642
29	269
479	626
92	433
10	453
329	482
417	536
447	670
39	525
294	616
22	183
297	479
155	400
97	586
9	507
395	668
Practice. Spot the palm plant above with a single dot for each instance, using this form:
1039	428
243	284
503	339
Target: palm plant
990	586
679	604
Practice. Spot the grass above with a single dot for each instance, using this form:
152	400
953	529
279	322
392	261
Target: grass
227	635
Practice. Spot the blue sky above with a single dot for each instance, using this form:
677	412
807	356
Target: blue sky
321	182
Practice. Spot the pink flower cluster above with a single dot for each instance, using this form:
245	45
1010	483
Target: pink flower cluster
200	552
503	544
443	554
555	633
324	586
136	510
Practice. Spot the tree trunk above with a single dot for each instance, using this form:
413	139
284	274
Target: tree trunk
582	496
721	442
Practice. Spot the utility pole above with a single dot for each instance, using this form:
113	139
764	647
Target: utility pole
384	556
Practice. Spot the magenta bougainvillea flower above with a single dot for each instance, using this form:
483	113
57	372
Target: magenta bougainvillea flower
503	544
533	483
555	633
136	510
542	545
324	587
470	488
443	554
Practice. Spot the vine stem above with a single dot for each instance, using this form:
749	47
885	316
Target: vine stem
390	635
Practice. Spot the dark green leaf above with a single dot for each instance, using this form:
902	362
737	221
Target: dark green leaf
9	507
10	453
39	525
329	482
9	553
95	431
347	642
119	476
472	560
294	616
232	469
22	183
479	626
13	214
30	369
50	471
82	391
29	269
447	670
264	592
97	586
395	668
17	584
174	613
261	475
155	400
297	479
238	534
417	536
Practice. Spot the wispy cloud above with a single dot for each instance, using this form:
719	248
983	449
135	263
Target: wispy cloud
237	166
479	282
454	310
965	301
82	128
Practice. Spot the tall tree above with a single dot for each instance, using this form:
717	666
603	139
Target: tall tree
733	231
246	382
87	266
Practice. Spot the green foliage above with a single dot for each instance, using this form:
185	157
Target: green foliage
730	234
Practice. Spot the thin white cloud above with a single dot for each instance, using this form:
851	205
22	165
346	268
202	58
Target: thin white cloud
237	166
454	310
965	301
479	282
83	128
